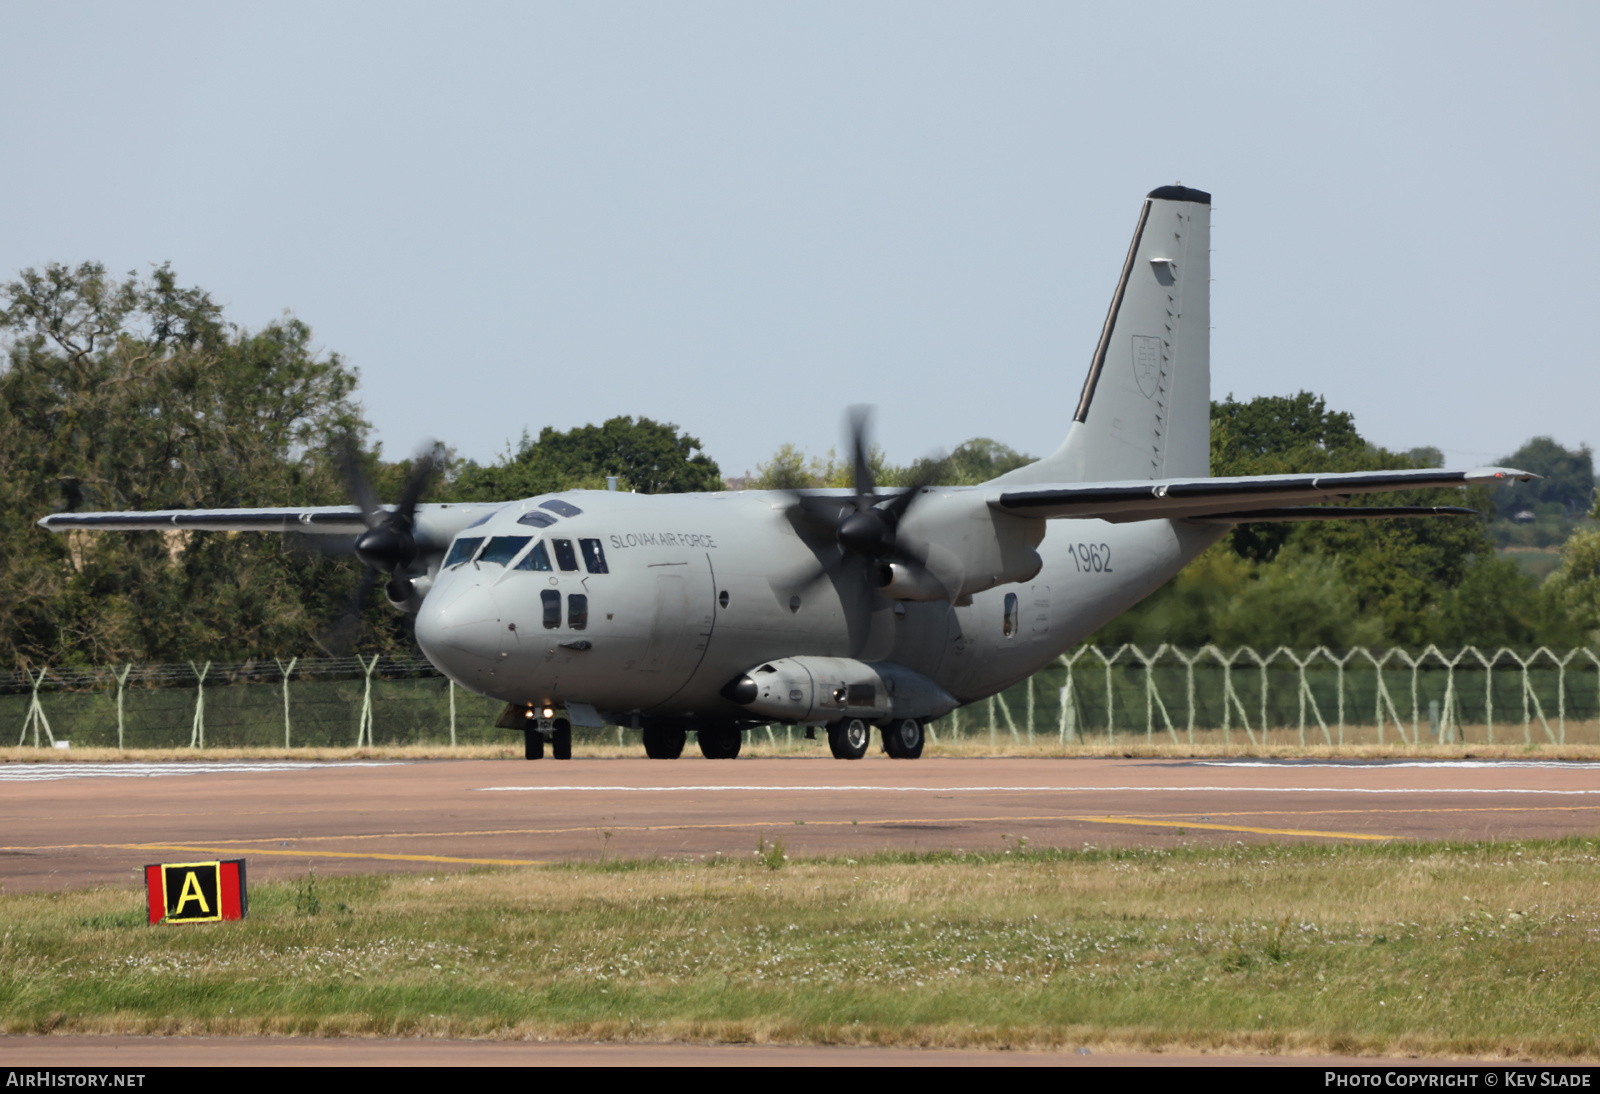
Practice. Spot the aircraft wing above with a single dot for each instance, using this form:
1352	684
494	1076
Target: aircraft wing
1247	498
330	520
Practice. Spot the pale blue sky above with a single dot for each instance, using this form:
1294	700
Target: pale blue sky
743	217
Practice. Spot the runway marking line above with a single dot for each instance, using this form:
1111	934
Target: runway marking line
1236	828
232	847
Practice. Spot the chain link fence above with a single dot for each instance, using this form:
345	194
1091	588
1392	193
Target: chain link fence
1091	694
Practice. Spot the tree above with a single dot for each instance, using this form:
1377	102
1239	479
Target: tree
1567	478
646	456
135	393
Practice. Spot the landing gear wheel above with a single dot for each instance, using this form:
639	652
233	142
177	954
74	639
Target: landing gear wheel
848	739
533	747
721	743
903	739
663	744
561	740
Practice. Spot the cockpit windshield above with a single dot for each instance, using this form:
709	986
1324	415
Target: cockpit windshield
462	549
502	549
536	559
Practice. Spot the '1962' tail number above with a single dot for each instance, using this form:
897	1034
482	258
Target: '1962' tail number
1095	558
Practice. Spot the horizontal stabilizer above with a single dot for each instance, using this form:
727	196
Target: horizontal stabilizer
1194	499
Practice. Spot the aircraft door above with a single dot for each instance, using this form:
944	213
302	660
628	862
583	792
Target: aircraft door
685	615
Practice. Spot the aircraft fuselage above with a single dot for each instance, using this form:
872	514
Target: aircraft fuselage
687	592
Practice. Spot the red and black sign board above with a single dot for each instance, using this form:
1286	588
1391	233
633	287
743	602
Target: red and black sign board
196	892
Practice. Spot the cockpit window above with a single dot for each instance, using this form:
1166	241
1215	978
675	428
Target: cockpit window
502	549
565	508
536	559
552	608
484	519
565	557
461	550
594	557
536	519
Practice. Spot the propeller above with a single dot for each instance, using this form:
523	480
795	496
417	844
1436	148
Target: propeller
389	544
865	529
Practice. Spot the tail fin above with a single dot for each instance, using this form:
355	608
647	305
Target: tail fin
1145	411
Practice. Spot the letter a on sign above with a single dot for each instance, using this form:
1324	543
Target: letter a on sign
196	892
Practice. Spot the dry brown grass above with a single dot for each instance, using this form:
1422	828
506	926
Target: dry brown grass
1279	743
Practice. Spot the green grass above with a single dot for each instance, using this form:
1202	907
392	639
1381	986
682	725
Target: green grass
1471	950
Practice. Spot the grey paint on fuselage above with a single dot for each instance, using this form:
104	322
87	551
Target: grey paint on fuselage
660	642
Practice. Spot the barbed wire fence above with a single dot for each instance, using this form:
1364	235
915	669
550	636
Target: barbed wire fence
1319	696
1090	695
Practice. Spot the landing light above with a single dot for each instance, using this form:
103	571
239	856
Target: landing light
548	713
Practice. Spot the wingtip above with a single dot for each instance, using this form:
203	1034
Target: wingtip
1491	476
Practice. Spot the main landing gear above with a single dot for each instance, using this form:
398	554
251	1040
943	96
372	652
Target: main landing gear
716	742
902	739
560	736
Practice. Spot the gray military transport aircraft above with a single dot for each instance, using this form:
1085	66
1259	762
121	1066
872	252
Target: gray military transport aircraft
845	608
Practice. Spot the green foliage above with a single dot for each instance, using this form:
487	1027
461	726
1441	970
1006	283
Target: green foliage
975	461
771	855
646	456
1344	583
1300	600
1576	586
1567	478
135	393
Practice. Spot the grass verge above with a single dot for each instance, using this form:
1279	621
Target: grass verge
1484	950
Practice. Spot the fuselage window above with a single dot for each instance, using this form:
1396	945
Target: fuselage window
1009	627
536	559
536	519
564	555
577	611
461	550
552	608
502	549
594	556
565	508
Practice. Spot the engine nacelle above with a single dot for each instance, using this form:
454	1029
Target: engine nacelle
899	581
818	690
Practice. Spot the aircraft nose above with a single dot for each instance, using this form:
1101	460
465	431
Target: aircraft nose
467	621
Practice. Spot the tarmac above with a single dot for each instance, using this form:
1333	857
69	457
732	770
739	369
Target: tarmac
69	825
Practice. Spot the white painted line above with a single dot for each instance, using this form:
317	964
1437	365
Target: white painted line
1055	789
21	773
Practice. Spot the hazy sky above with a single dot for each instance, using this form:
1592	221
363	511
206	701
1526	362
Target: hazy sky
743	217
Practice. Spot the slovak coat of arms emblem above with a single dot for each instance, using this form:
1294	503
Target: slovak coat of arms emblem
1147	363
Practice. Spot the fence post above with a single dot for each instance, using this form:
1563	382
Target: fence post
1030	710
1229	693
36	716
1529	694
197	732
364	726
989	710
122	681
452	684
286	672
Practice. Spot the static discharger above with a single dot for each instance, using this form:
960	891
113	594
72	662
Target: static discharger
196	892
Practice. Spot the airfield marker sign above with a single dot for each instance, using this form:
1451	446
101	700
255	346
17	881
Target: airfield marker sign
196	892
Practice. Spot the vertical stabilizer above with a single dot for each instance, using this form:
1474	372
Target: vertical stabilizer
1145	409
